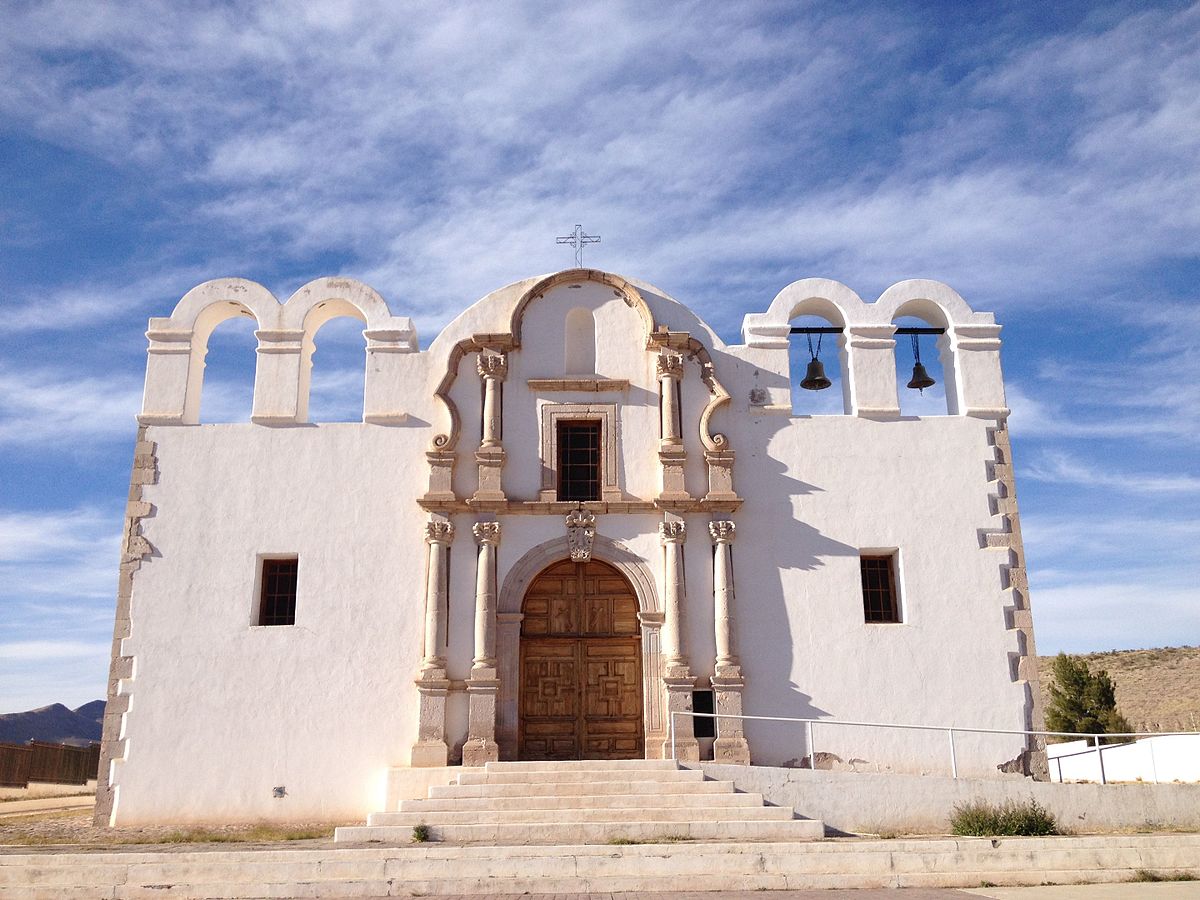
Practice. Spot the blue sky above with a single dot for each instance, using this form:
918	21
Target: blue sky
1043	159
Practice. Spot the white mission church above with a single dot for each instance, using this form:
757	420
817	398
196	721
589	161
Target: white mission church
575	514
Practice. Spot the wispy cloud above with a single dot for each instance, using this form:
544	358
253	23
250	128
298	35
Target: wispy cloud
433	131
38	651
1061	468
41	404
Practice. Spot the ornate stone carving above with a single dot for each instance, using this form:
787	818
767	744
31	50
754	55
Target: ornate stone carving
439	532
722	531
487	533
669	365
581	534
493	365
672	532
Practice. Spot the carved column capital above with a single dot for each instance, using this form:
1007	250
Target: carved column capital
722	531
492	365
439	532
486	533
669	365
672	532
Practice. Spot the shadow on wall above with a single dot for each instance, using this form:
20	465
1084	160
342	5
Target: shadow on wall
774	540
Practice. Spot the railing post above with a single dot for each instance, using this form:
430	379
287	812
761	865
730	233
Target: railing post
1100	760
674	713
953	756
812	749
1153	764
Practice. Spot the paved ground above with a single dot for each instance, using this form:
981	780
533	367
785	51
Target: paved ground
1168	891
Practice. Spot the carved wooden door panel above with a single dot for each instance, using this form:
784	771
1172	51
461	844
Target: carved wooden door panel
550	698
581	666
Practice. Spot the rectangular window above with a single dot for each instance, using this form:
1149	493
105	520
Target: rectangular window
579	460
277	602
703	702
880	601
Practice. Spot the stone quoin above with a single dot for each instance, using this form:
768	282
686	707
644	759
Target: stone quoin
552	528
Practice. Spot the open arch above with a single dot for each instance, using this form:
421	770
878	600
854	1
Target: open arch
232	365
830	349
935	354
341	380
510	615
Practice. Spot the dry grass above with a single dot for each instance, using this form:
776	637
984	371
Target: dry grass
75	828
1157	690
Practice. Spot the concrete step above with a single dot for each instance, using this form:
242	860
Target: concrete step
592	832
558	789
576	814
589	765
326	872
575	776
608	801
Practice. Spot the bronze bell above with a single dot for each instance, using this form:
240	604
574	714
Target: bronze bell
921	379
814	378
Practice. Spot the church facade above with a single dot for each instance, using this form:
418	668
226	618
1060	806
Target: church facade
575	519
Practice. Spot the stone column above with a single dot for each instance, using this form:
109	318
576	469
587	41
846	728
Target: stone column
677	677
493	367
670	445
727	682
483	685
432	683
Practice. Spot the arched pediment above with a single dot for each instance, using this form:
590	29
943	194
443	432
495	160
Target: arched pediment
527	568
621	288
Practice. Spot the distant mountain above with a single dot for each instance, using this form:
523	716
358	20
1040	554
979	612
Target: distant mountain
54	723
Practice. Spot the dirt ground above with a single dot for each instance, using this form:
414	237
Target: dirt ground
75	828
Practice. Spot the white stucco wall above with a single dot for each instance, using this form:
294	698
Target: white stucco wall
221	711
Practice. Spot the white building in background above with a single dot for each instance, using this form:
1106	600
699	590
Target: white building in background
576	512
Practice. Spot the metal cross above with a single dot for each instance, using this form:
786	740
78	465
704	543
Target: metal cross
577	240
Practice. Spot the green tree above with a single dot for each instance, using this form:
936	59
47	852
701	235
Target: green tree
1083	701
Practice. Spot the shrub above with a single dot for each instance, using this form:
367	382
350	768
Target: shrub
1010	818
420	833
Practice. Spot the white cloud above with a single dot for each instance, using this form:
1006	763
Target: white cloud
39	405
1114	614
1062	468
38	651
703	140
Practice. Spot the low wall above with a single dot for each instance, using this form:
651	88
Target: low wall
922	804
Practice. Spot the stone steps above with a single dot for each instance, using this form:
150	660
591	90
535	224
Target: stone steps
623	801
583	814
574	776
584	802
323	872
593	832
552	789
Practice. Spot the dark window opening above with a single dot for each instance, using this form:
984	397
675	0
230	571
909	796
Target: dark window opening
702	702
879	589
579	461
277	605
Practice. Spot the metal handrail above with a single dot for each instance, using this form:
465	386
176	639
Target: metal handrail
949	729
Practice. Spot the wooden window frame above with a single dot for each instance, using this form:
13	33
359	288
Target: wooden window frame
890	612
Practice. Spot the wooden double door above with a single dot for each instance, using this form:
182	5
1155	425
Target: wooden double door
581	666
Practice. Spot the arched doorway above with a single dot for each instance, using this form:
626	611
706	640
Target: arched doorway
581	665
